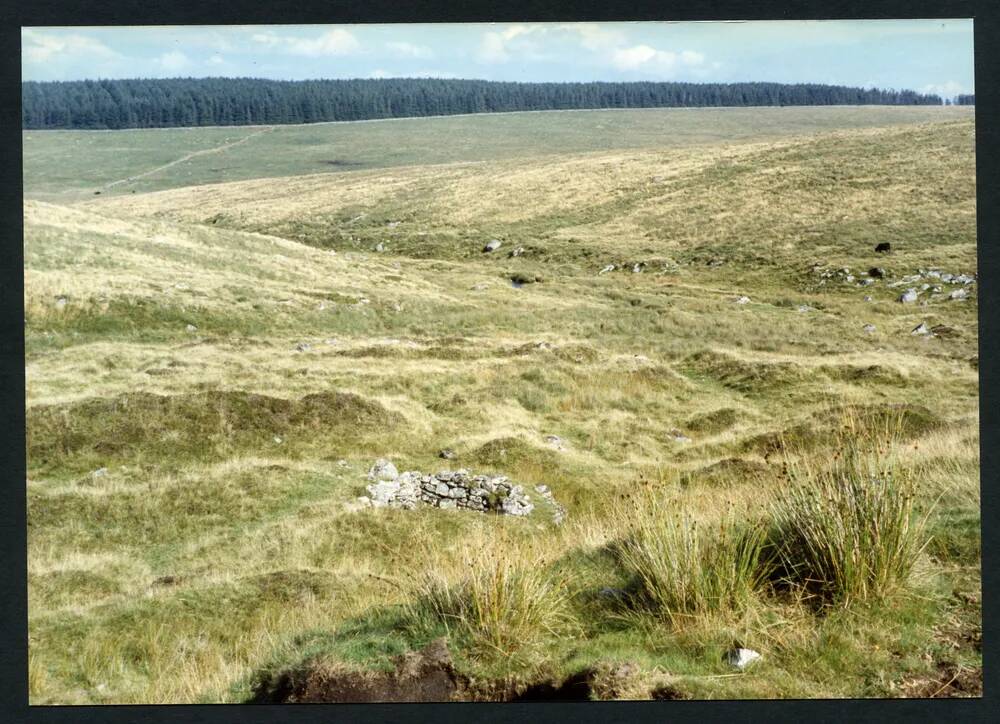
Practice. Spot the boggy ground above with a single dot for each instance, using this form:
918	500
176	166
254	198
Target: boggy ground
212	369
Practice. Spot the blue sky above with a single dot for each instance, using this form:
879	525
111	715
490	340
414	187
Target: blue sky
924	55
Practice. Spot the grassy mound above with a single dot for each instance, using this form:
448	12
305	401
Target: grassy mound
205	425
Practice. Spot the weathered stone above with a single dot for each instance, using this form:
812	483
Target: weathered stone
303	347
191	328
608	268
921	328
555	441
516	252
869	328
743	300
447	454
491	246
741	658
909	296
383	470
876	272
960	293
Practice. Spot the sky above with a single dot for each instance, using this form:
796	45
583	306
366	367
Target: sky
931	56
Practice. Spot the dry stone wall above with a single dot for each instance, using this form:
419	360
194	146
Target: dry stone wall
452	489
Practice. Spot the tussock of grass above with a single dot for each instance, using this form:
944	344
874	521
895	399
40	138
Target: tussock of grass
684	569
505	607
848	533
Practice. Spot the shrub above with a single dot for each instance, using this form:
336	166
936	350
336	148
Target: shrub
848	532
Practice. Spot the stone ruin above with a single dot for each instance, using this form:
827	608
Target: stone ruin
452	489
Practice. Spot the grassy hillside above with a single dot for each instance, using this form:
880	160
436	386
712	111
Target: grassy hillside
212	369
72	165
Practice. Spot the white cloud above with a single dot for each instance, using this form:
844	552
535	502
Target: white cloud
643	58
691	57
948	89
409	50
267	38
216	60
499	46
41	47
379	73
593	36
332	42
433	74
492	50
640	55
174	60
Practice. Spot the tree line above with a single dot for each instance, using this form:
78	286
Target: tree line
966	100
149	103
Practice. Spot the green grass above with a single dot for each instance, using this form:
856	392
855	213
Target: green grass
207	556
67	165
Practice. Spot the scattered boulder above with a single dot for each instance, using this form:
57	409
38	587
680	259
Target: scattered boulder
876	272
805	308
960	293
191	328
380	246
558	511
491	246
679	436
480	286
608	268
516	252
383	470
99	473
555	441
868	298
741	658
883	248
743	300
869	328
921	328
866	282
61	302
909	296
447	454
637	267
303	347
